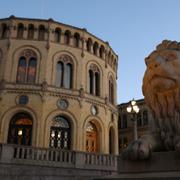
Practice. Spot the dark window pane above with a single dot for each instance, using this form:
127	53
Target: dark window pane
21	71
31	77
59	74
23	100
68	76
91	82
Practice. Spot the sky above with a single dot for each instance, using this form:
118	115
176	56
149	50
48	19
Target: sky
133	29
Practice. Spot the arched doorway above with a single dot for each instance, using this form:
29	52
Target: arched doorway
111	140
60	133
20	129
91	138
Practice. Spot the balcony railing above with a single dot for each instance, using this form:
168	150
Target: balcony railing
56	158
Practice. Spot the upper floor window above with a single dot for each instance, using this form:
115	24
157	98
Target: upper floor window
124	121
111	90
139	119
41	32
30	31
64	72
26	70
95	48
4	31
20	31
101	51
89	45
57	35
94	80
76	40
67	36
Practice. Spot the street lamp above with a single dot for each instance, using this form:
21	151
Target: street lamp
133	109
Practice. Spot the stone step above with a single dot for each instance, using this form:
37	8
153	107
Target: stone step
144	176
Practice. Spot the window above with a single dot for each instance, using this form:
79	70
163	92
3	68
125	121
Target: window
101	51
23	100
20	31
76	39
41	33
123	123
57	35
64	72
95	48
94	80
111	90
60	132
4	31
89	45
145	118
26	70
30	31
20	129
67	36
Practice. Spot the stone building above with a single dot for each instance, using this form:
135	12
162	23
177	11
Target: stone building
57	87
125	123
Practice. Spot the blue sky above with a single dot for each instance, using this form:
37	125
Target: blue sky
132	27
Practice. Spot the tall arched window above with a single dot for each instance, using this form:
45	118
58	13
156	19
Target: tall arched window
4	31
67	36
57	35
41	33
95	48
20	31
59	74
101	51
30	31
89	45
26	70
76	40
20	129
94	80
111	90
111	140
60	133
139	119
64	72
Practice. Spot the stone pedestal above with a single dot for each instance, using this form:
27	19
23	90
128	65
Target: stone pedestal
161	165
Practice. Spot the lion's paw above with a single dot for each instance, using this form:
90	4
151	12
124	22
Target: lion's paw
137	150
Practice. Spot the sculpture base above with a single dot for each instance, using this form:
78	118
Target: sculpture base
161	165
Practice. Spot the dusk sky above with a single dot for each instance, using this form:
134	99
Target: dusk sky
132	27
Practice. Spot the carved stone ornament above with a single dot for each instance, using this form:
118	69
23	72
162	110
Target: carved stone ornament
161	89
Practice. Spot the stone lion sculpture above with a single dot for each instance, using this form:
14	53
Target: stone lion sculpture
161	89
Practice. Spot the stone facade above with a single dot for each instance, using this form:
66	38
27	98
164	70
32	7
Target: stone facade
47	42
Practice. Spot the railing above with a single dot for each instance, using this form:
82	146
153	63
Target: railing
57	158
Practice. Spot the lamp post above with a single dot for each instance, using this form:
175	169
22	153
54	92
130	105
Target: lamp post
133	109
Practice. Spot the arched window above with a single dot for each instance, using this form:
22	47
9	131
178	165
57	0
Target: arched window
41	33
20	31
145	118
94	80
57	35
21	72
4	31
124	121
97	84
64	72
89	44
91	138
30	31
111	90
76	39
31	75
60	133
68	76
26	70
67	36
95	48
101	51
91	82
59	74
20	129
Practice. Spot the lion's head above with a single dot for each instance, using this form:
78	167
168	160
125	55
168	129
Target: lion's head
161	81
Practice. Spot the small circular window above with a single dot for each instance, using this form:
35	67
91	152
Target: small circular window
23	100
